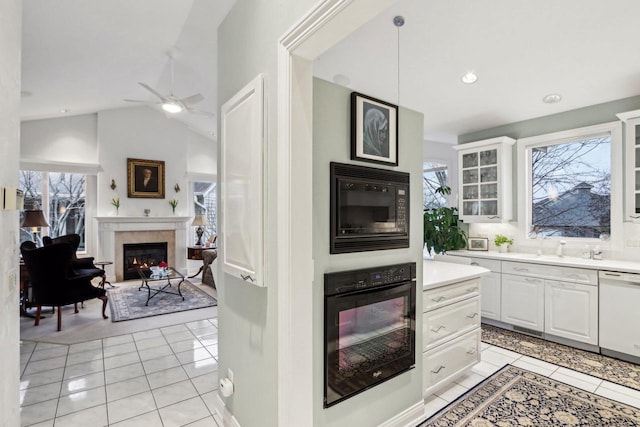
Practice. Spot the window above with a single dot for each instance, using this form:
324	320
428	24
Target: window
434	176
62	197
570	186
204	202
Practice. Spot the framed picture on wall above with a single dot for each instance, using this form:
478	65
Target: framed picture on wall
478	244
374	130
145	178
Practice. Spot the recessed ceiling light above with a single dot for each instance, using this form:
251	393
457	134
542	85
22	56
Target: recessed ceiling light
552	98
341	80
469	77
64	110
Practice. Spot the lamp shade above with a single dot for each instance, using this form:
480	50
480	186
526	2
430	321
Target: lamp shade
200	220
34	218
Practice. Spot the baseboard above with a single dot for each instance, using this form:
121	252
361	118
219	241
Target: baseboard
410	417
228	420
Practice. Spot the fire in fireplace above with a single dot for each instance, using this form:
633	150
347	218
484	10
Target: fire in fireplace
137	255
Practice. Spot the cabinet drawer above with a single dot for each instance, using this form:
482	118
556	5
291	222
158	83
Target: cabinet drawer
445	295
446	362
552	272
494	265
447	322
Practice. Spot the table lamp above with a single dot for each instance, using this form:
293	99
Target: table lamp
34	219
199	221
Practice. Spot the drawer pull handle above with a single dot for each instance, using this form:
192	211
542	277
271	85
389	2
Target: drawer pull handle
437	329
520	269
473	315
472	351
634	216
475	263
439	299
494	217
247	277
437	371
472	289
532	280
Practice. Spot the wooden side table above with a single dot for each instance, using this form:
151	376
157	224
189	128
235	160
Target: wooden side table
195	253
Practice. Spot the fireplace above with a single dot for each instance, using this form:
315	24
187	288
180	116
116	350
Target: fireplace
136	255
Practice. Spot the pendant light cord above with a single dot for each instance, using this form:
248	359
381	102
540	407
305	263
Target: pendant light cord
398	21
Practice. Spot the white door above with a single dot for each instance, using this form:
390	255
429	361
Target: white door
523	301
490	291
571	311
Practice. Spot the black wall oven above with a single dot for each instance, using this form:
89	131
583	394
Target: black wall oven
370	318
369	208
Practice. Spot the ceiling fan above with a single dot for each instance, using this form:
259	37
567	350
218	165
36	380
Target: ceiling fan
171	103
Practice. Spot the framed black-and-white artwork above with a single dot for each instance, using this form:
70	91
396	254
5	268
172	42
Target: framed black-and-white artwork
478	244
374	130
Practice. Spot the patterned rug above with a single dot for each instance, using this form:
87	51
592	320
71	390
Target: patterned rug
127	302
597	365
517	397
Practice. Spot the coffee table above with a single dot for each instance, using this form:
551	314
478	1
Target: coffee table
169	274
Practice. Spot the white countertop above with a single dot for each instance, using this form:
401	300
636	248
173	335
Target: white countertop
605	264
438	273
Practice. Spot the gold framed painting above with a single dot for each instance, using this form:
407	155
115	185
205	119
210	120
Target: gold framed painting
145	178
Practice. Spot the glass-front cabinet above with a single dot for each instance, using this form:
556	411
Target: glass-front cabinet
485	179
631	121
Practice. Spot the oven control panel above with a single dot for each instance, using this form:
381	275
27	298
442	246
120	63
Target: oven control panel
354	280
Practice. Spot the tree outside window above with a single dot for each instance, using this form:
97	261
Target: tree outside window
571	188
62	195
204	202
434	176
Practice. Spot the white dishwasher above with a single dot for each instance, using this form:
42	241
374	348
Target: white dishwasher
620	315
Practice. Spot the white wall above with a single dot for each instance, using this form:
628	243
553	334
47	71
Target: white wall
331	130
10	45
66	139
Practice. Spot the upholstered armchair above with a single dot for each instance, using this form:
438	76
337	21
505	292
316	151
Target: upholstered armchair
208	256
82	266
54	281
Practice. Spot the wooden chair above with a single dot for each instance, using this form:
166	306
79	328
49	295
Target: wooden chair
54	282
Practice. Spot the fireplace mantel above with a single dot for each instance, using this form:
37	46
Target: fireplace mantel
109	226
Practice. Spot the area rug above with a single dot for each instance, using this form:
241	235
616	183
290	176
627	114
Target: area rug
597	365
127	302
517	397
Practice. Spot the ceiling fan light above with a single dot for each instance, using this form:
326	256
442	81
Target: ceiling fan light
171	107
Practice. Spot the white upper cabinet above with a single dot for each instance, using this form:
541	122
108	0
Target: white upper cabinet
485	180
632	166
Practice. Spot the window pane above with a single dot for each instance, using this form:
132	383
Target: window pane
434	177
204	201
571	188
67	198
31	185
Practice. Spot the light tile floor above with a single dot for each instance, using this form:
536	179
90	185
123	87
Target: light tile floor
494	358
168	377
159	377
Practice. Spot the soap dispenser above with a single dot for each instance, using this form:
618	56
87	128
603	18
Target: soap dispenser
560	250
586	252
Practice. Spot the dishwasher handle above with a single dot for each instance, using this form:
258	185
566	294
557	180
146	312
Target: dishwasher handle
617	276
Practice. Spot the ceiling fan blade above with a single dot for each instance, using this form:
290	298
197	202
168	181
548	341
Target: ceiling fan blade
138	100
201	112
193	99
153	91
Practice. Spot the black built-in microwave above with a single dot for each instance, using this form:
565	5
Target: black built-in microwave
369	209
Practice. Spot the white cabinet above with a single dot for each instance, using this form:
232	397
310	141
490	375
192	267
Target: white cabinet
632	167
523	301
450	332
485	177
490	287
619	314
571	311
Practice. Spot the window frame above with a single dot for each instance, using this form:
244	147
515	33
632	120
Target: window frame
524	177
451	199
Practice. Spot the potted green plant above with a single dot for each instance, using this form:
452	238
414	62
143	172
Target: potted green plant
502	242
442	230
